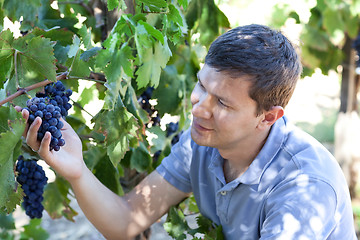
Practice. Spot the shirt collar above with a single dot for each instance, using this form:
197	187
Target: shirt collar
272	145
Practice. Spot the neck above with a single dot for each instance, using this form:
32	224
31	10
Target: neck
238	160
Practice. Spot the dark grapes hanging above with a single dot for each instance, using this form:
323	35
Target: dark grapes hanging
172	128
50	106
32	178
144	101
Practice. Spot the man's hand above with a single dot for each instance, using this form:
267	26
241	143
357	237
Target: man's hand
68	161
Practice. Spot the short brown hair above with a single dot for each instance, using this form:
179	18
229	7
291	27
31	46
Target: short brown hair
265	55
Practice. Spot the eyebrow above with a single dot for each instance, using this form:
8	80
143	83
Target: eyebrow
225	99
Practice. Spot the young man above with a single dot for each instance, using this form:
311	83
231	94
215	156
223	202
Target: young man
249	169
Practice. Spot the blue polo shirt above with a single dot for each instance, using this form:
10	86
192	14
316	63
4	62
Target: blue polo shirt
294	188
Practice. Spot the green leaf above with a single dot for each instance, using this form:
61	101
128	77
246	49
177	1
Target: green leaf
154	61
112	4
14	198
143	42
156	3
6	55
315	38
108	175
152	31
140	158
17	9
9	143
175	224
158	142
56	201
7	221
119	127
85	34
184	3
169	91
37	57
174	15
333	20
7	184
79	68
85	56
33	230
74	48
295	16
10	138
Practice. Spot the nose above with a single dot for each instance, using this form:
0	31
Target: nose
201	104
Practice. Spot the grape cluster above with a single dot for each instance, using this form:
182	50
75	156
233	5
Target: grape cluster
50	107
145	104
32	178
172	128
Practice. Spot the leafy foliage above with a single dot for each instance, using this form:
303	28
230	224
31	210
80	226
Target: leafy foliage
150	44
324	33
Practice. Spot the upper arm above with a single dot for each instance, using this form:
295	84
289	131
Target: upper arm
150	200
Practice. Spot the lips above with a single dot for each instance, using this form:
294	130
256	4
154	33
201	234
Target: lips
200	127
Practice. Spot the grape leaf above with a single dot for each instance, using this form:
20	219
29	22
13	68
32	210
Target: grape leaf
154	61
174	15
118	126
85	34
132	105
143	42
169	91
79	68
74	48
9	142
176	224
13	199
33	230
108	175
140	158
112	4
158	142
17	9
7	221
153	31
6	55
157	3
333	20
10	138
56	201
117	72
85	56
38	58
62	36
7	183
183	3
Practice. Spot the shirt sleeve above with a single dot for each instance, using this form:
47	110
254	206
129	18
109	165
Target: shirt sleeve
175	168
303	208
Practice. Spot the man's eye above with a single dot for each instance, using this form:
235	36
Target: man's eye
202	86
221	103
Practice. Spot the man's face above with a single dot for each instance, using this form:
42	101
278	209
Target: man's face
224	116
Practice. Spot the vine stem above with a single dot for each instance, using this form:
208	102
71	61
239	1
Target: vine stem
22	91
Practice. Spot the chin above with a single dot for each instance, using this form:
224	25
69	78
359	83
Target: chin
200	140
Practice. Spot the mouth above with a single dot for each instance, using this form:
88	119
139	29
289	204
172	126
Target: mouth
200	127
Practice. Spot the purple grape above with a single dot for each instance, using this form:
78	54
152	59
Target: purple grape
29	175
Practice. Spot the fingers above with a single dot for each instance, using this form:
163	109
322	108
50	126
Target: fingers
31	136
44	146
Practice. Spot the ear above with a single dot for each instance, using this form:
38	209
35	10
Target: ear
271	116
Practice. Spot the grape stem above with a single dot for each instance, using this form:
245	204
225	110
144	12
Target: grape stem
22	91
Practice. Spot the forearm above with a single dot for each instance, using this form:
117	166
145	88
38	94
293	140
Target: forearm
108	212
